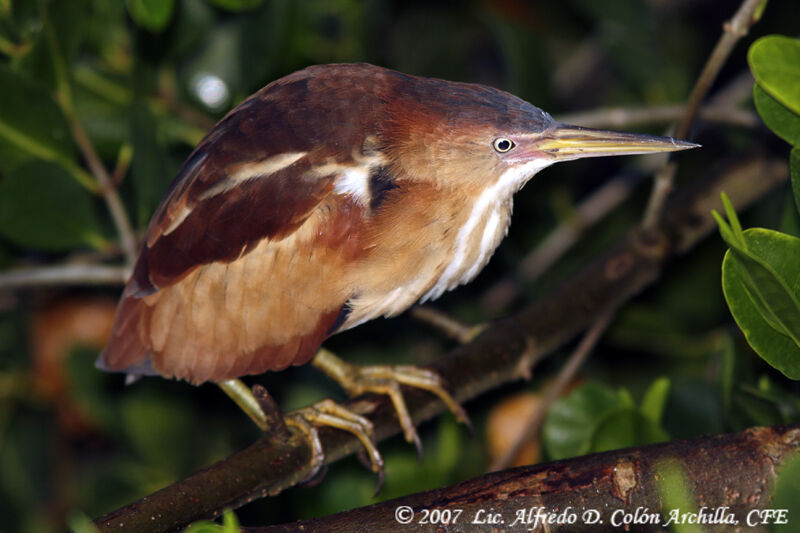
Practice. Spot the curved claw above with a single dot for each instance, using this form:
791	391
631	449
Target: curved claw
329	413
384	379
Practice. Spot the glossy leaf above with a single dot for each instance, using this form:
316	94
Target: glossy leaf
41	206
572	420
153	15
775	63
760	280
782	121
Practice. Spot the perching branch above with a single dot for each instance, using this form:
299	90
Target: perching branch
734	472
504	352
733	30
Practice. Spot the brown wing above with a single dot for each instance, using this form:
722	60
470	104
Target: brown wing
241	268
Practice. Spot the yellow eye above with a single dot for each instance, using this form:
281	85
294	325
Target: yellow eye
503	145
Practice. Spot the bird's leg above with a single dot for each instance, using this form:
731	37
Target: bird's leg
385	379
323	413
246	400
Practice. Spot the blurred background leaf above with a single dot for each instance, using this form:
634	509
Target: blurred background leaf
153	15
60	216
147	79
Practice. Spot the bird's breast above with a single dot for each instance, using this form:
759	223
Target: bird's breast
474	243
423	244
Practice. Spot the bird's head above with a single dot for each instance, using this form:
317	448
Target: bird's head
464	135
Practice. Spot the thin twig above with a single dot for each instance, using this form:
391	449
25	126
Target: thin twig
64	275
733	30
65	101
565	376
445	323
107	189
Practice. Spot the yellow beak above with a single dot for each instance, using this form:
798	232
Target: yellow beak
564	142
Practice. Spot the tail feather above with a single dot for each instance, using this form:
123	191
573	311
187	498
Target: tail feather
125	351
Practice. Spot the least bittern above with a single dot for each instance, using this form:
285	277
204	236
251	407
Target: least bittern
330	197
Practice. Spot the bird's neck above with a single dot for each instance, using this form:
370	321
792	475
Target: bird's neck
480	221
426	240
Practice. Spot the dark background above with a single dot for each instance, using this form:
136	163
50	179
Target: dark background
75	440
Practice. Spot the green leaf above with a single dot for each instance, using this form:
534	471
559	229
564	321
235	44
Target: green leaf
794	167
572	420
153	15
31	124
786	494
624	428
80	523
237	5
775	62
676	494
760	285
230	524
783	122
655	399
42	207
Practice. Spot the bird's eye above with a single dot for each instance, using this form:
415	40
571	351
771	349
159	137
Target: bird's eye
503	145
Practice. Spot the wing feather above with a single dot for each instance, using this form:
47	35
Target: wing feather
240	270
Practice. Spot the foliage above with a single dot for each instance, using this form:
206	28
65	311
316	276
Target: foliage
761	271
229	525
787	492
138	83
595	418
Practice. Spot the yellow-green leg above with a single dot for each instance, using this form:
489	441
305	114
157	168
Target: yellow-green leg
323	413
386	379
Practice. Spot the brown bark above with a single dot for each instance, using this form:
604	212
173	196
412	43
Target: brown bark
504	352
731	475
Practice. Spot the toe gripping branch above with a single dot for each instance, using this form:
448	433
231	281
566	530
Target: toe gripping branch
382	379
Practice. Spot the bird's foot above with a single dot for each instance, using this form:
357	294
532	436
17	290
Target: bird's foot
386	379
331	414
257	404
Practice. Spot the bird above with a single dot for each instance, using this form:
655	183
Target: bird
333	196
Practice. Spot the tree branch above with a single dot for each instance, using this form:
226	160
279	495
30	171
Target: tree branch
736	471
78	274
503	352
